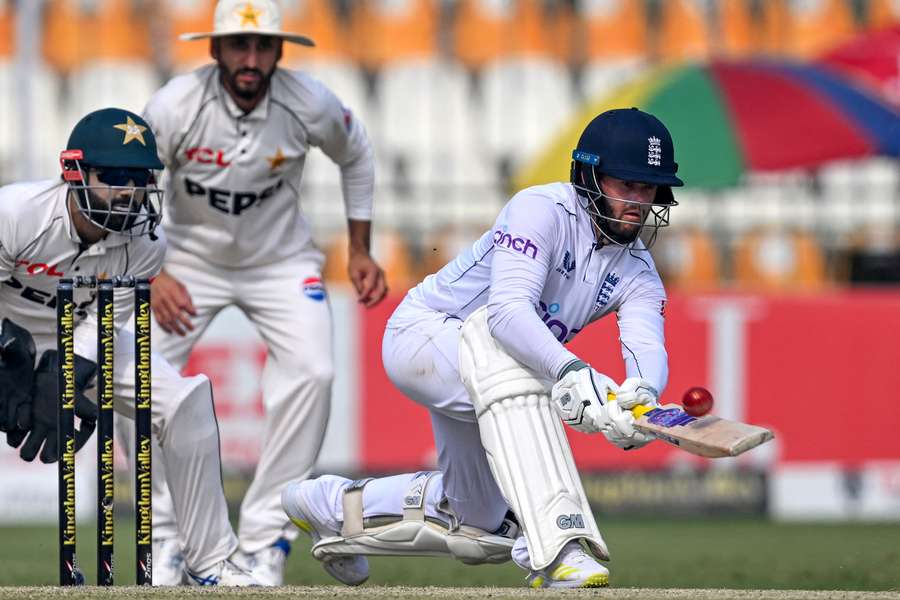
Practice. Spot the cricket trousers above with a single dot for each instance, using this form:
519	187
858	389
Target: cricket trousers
287	304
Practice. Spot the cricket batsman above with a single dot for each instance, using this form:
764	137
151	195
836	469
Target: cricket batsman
101	220
480	344
234	136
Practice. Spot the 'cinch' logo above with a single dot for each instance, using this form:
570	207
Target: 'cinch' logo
516	244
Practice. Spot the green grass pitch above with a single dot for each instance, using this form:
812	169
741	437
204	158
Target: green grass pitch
744	554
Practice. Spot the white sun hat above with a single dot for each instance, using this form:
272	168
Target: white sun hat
241	17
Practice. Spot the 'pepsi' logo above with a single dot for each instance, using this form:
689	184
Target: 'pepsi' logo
314	288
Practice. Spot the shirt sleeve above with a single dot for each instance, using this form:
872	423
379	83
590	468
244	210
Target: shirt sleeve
641	330
7	262
7	242
157	115
525	235
342	137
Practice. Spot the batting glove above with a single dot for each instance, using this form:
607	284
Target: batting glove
579	395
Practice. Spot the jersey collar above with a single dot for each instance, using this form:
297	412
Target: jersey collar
260	112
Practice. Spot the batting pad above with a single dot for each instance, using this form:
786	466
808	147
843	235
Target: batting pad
526	447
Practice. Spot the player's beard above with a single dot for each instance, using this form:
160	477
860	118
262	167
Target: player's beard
100	213
621	233
251	92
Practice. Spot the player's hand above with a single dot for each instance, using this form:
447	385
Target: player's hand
367	278
635	391
579	396
618	429
172	304
16	372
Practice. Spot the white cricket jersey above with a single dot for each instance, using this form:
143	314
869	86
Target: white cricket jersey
39	246
544	279
233	181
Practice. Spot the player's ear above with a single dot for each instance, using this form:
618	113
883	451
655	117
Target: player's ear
214	48
280	50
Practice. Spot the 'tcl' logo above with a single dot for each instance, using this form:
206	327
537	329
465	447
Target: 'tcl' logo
207	156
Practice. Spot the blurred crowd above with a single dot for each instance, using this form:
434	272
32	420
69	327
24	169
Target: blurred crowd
458	95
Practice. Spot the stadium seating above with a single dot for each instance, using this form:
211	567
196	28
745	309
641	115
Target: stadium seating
882	13
612	30
388	31
318	20
688	259
737	33
873	255
805	28
345	80
684	32
611	44
428	123
80	31
779	259
7	29
488	30
523	103
185	16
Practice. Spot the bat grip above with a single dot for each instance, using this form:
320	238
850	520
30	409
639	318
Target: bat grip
638	411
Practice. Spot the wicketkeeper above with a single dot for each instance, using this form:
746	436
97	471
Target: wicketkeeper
480	344
101	220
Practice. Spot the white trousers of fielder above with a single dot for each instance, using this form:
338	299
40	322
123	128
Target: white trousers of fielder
295	325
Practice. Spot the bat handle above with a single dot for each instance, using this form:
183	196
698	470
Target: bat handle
638	411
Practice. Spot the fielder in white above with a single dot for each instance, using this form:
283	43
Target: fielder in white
101	220
481	345
234	136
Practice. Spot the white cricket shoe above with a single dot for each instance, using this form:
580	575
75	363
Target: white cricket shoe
296	501
267	565
224	573
573	568
168	562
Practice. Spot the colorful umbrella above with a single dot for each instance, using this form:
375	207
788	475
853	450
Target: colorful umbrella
728	118
874	58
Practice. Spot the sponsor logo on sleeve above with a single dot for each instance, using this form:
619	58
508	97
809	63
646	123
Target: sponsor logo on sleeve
522	245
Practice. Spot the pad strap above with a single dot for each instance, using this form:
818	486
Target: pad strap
353	508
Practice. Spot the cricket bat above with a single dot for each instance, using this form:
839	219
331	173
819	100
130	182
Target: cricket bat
709	436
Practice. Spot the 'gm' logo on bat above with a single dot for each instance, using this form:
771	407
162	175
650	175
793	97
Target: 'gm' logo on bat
570	521
314	289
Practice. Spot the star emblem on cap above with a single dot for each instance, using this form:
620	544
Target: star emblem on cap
277	160
249	15
132	130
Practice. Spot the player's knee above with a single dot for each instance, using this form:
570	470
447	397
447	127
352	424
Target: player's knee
318	372
193	404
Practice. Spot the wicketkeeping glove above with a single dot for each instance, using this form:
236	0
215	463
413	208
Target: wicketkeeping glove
41	422
16	373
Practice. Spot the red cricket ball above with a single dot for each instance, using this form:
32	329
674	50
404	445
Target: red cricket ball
697	401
